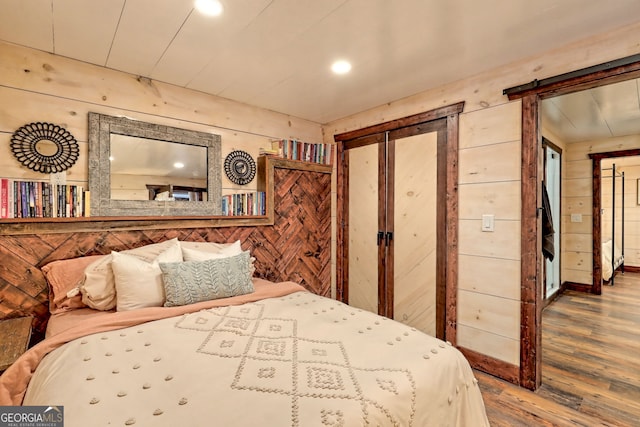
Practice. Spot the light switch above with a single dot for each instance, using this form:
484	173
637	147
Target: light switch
576	217
487	222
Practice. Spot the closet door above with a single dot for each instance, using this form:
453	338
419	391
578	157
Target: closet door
396	218
363	227
415	200
393	200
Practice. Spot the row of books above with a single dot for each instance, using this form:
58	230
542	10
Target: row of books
293	149
253	203
38	199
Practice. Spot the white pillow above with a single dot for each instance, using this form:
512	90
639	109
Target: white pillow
138	283
228	252
98	287
227	249
198	255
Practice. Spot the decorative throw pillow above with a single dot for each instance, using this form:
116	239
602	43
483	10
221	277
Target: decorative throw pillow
194	281
98	288
192	250
138	283
201	254
198	255
64	278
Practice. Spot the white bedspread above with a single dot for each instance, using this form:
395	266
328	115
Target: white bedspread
297	360
608	267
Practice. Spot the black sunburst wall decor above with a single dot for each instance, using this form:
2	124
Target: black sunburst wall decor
240	167
45	147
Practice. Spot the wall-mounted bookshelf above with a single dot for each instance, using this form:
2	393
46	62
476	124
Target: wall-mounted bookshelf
293	149
266	184
251	203
40	199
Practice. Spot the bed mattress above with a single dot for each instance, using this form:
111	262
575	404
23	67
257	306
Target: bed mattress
283	358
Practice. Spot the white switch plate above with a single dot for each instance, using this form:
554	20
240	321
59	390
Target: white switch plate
488	222
576	217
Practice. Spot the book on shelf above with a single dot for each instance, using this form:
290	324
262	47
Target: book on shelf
4	198
40	199
252	203
270	151
293	149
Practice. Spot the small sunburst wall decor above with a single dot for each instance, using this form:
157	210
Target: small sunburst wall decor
240	167
44	147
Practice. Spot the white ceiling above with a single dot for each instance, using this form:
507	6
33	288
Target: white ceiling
599	113
276	54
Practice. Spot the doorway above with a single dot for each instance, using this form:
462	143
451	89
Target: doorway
611	202
531	96
552	185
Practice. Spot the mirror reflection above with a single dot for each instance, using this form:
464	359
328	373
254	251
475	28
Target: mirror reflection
143	169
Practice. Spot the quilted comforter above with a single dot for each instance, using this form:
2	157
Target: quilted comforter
282	357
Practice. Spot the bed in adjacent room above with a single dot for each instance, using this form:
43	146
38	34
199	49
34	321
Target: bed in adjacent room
612	259
613	224
184	335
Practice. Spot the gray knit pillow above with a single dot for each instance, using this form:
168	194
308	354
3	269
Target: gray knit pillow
194	281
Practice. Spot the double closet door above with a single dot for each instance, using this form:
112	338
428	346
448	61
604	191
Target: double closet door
393	218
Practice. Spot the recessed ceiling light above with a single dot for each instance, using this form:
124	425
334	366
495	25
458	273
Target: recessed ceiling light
178	165
111	158
209	7
341	67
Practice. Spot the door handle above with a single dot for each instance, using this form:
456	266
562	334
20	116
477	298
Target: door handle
380	237
388	237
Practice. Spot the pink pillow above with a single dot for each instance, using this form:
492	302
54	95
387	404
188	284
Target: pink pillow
65	276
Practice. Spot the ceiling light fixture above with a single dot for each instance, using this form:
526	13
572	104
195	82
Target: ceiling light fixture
178	165
341	67
209	7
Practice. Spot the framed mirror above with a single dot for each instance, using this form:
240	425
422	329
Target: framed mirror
143	169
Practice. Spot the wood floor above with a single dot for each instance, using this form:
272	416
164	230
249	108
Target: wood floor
590	364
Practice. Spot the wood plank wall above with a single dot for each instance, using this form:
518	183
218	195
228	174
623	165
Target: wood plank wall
39	87
489	281
297	247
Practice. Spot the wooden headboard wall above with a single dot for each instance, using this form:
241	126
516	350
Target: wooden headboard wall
296	247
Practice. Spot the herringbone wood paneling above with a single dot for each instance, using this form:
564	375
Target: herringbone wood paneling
297	247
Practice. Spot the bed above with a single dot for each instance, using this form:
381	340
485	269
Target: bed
612	259
263	353
613	226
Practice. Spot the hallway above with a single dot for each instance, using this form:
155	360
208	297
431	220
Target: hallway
590	364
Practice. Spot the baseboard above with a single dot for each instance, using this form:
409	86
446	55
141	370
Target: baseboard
495	367
579	287
631	269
